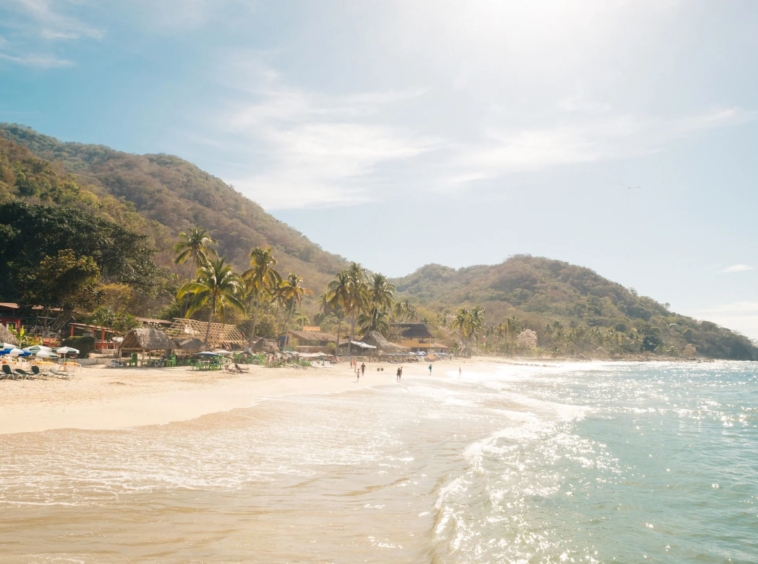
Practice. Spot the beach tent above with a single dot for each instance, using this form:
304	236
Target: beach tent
7	337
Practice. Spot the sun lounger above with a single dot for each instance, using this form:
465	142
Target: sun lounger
8	373
23	373
60	374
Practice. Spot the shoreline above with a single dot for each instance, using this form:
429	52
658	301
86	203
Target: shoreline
98	398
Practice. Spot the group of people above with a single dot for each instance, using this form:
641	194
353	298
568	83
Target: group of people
361	370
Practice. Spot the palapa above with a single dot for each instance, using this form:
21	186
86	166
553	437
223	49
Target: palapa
265	346
188	345
220	333
383	345
146	339
6	336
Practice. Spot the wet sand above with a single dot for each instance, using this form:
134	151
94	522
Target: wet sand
117	398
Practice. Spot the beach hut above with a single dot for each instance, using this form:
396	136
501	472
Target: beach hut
6	336
188	345
146	340
376	339
265	346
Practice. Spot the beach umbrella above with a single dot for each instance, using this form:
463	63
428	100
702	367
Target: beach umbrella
18	352
66	350
207	353
36	348
222	351
45	354
8	346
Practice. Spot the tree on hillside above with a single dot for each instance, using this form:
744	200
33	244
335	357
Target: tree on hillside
195	244
379	300
358	296
63	280
216	286
290	294
261	282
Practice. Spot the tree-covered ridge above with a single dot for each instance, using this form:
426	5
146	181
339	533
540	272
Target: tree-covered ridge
571	308
178	196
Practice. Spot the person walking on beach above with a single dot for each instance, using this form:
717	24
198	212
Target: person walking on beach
363	368
430	370
460	373
397	375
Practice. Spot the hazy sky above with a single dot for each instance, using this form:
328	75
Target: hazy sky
619	135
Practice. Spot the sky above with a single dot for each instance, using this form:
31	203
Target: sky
617	135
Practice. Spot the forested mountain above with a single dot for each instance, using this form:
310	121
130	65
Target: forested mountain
569	306
53	192
171	195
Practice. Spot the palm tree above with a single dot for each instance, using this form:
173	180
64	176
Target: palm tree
216	285
290	293
358	296
261	282
196	245
336	297
380	297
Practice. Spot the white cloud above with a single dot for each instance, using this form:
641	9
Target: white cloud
737	268
40	61
738	316
52	24
318	150
506	150
34	25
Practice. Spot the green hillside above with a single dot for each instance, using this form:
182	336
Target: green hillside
172	195
572	309
116	195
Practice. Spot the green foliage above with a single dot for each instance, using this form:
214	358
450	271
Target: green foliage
85	345
169	196
573	310
63	280
67	245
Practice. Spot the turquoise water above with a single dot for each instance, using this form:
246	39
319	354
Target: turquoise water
661	466
524	463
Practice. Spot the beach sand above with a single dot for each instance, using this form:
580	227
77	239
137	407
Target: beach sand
117	398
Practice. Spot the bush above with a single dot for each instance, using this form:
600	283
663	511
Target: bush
84	345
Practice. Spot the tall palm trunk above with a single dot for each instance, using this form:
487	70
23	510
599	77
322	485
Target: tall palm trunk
339	328
210	320
254	319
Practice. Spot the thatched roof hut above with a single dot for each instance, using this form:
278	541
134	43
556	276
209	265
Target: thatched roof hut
6	336
265	346
140	340
188	345
383	345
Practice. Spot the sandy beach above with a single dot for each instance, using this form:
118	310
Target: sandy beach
117	398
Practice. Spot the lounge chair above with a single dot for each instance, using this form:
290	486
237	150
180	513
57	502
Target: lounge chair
8	373
23	373
37	372
60	374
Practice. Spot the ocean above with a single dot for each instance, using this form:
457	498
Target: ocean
530	462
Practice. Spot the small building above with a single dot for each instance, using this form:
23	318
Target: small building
146	340
220	335
418	338
307	341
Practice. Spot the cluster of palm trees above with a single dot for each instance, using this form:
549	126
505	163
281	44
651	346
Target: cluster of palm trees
366	300
218	287
469	323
